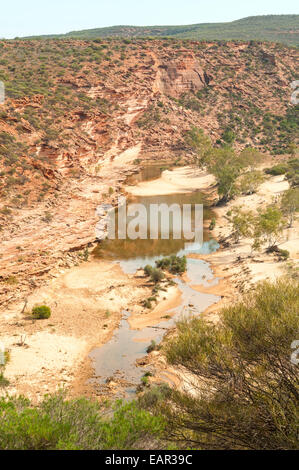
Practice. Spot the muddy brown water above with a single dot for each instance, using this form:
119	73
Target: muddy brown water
117	358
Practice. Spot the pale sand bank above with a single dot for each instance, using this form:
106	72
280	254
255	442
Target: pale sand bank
176	181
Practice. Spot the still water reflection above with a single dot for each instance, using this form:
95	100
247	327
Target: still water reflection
118	357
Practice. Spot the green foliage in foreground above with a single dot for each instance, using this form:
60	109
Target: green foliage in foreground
247	388
74	425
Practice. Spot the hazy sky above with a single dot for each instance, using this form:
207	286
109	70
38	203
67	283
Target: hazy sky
30	17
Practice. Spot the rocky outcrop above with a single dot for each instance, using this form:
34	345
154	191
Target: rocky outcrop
182	76
62	152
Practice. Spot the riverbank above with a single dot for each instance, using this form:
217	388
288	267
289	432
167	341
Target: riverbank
87	300
240	266
234	265
86	303
176	181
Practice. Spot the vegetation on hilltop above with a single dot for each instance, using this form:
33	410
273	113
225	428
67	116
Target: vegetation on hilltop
276	28
55	89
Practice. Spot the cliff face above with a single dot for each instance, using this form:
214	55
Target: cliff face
182	76
79	113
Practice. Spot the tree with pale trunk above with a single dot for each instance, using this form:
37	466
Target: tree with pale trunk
290	204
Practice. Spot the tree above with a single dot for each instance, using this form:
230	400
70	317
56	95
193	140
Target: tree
268	228
292	174
242	223
250	181
226	168
201	144
292	148
4	359
228	136
251	157
226	178
225	164
243	384
290	204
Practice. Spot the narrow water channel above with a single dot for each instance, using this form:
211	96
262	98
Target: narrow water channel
117	358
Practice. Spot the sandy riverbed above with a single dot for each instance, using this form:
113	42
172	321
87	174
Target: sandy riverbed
86	303
235	275
87	300
175	181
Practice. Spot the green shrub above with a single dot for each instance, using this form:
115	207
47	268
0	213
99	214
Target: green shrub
153	347
154	396
174	264
85	254
228	136
79	424
243	369
157	275
144	380
147	303
292	174
148	374
3	381
48	217
212	224
11	280
148	270
41	312
283	254
5	211
276	170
